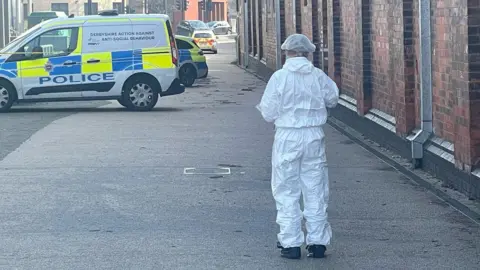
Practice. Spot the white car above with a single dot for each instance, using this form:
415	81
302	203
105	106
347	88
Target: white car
206	40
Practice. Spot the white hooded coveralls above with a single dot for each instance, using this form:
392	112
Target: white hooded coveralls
296	100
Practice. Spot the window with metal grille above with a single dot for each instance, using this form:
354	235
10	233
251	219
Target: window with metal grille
316	34
249	16
283	34
254	27
260	28
298	16
324	37
118	6
94	9
60	7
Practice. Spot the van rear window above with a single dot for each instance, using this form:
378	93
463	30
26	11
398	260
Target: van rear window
170	32
203	35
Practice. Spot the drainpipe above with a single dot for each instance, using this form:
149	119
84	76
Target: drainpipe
426	128
2	25
246	22
278	37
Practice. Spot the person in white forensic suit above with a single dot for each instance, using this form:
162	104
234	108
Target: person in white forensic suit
296	100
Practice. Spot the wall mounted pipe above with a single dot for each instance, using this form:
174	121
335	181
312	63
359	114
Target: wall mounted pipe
426	129
278	35
246	23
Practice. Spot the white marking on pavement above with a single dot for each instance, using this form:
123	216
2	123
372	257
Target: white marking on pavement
218	170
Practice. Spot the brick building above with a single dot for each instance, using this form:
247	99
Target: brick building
372	50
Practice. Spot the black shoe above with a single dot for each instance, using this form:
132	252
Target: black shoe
279	245
291	253
316	251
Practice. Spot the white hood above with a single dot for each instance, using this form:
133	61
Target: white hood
299	65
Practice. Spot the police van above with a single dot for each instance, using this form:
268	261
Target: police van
130	58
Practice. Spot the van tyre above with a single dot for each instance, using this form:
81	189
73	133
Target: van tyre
120	100
187	75
204	76
139	95
8	95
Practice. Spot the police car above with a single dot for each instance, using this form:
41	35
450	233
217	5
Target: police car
130	58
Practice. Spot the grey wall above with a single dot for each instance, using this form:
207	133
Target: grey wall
4	22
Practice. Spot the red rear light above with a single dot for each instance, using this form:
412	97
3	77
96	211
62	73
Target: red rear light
210	41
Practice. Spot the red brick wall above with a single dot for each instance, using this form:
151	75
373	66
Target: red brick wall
348	46
387	34
241	27
473	138
289	21
449	70
307	18
456	35
406	101
334	40
267	27
383	65
270	49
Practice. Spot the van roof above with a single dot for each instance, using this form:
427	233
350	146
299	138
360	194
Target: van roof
106	18
127	16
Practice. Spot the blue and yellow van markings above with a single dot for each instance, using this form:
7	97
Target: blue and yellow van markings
77	78
185	55
9	69
201	65
116	61
60	69
192	55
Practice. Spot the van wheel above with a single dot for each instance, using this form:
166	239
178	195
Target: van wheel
187	75
138	95
7	96
205	76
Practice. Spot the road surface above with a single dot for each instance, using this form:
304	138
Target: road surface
92	186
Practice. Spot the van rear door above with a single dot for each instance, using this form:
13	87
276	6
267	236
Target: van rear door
173	44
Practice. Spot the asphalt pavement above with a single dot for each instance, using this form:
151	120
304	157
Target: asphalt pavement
187	186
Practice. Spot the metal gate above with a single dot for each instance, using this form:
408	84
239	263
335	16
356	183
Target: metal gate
217	13
4	23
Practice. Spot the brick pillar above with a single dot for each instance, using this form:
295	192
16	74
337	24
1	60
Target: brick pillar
289	14
363	57
254	21
324	23
307	18
467	111
283	22
316	34
250	39
405	78
334	14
